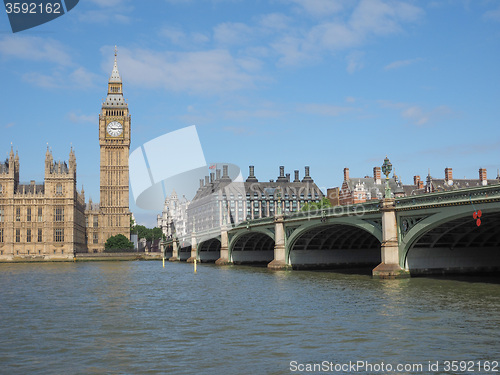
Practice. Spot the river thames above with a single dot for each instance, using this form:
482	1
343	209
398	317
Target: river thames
140	318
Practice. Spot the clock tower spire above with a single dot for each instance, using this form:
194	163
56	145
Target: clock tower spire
114	140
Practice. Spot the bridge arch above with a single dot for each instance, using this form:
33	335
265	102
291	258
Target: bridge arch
209	249
252	247
337	244
449	241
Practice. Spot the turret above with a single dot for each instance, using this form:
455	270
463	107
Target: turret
48	161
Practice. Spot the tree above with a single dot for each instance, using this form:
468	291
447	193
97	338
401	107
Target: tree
132	225
143	232
314	206
156	233
118	243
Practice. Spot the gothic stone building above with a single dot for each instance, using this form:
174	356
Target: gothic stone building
41	221
112	215
51	220
173	219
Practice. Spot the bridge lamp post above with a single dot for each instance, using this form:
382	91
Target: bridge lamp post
386	169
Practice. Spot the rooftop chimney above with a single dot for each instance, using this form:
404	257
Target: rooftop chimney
307	177
201	183
377	175
482	176
288	177
282	175
206	180
225	175
346	174
251	174
448	176
297	179
217	174
212	175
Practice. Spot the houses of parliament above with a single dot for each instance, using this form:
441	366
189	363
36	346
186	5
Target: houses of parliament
51	220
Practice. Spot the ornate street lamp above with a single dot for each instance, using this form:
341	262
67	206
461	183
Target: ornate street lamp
386	169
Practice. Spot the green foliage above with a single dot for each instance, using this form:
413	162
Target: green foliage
118	243
313	206
132	225
148	234
157	233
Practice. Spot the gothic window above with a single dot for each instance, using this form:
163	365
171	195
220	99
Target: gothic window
59	190
1	189
39	235
59	214
1	214
96	221
28	235
59	235
96	238
1	234
18	214
28	214
18	235
39	214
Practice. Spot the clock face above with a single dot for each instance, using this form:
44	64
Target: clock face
114	128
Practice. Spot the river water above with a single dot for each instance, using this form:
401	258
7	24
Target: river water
140	318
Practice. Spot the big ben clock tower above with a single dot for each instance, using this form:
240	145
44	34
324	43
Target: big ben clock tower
114	141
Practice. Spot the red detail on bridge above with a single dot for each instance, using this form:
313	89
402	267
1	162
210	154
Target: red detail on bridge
478	222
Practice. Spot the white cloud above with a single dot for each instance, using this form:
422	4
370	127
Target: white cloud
246	114
401	63
320	8
44	80
178	37
416	114
229	33
239	130
9	125
493	15
324	109
369	18
204	72
60	78
275	21
34	48
354	61
382	17
78	118
105	16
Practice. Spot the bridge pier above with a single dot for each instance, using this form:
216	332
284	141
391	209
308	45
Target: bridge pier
389	268
194	250
279	262
224	249
175	252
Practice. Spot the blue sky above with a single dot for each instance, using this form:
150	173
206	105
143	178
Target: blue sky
324	83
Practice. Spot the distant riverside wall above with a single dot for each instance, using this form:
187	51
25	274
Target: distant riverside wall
85	257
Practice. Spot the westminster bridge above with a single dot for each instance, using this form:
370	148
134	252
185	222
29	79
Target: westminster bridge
446	232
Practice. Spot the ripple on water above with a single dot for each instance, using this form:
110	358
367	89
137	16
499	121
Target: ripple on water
136	317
